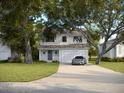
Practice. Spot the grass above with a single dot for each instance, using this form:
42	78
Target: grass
21	72
116	66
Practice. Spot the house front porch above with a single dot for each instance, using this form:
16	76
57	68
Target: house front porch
49	55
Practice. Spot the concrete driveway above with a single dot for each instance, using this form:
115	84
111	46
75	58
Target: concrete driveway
72	79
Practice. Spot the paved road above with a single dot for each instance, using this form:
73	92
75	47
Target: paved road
72	79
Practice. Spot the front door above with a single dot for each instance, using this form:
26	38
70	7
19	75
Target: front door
49	54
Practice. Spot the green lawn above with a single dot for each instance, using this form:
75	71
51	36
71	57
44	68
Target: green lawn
21	72
116	66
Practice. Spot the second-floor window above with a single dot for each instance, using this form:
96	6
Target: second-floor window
77	39
50	39
64	39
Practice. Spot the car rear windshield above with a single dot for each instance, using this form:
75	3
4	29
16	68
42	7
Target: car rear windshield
79	57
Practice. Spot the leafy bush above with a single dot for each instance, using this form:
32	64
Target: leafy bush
55	61
43	61
4	61
16	60
92	59
106	59
120	59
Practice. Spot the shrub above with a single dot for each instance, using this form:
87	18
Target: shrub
55	61
15	61
120	59
106	59
43	61
92	59
4	61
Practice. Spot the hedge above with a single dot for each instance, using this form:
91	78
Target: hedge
120	59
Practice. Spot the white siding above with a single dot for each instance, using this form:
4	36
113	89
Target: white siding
5	52
117	51
55	56
43	55
58	40
120	50
66	56
111	53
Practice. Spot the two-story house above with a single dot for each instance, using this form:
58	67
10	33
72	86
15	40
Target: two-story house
63	47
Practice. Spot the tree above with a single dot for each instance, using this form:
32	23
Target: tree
8	32
92	16
14	39
20	14
109	21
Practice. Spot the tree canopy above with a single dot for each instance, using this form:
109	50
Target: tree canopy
17	24
96	19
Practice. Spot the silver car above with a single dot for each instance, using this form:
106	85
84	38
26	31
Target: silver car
79	60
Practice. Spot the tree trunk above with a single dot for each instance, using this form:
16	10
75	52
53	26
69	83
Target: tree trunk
100	52
98	59
14	56
28	51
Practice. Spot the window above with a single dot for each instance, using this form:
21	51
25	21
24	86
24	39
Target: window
44	52
64	39
50	39
77	39
56	52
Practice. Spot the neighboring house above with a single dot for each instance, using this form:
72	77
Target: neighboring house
116	52
5	52
63	47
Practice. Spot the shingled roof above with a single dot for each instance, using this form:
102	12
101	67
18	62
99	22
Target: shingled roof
64	46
